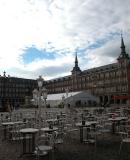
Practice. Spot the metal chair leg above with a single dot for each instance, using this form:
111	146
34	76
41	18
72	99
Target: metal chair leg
120	147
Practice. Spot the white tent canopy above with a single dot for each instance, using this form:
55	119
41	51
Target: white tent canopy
81	98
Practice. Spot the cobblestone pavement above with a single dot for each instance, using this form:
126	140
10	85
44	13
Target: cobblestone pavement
107	149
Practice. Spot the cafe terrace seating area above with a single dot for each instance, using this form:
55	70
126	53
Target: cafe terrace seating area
61	134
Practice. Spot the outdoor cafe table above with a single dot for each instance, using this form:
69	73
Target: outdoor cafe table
53	121
49	130
5	125
116	121
110	114
10	125
61	115
28	148
87	125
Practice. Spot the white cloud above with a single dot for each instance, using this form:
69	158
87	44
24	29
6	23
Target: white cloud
67	24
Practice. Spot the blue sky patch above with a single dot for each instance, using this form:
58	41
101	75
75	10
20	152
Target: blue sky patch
100	42
32	53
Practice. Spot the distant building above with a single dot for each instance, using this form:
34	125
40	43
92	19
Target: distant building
14	92
106	82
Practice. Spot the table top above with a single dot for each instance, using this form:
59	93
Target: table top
29	130
61	114
18	122
7	123
12	123
87	123
117	118
47	129
44	147
112	113
51	120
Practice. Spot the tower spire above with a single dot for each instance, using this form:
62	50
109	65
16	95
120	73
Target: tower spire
122	45
123	54
76	60
76	68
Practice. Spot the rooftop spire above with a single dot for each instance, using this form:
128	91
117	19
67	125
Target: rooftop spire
76	60
122	45
123	54
76	68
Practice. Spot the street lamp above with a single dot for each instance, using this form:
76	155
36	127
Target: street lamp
39	95
40	83
104	99
67	92
35	97
44	95
63	100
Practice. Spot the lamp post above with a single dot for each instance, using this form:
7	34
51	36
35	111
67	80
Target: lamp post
4	94
104	99
44	96
63	100
35	97
67	92
39	95
40	83
6	98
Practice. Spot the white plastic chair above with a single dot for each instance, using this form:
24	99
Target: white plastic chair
45	146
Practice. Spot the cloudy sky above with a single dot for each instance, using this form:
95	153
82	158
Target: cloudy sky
41	37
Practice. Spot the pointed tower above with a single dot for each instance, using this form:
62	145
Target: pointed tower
76	70
123	55
123	69
75	74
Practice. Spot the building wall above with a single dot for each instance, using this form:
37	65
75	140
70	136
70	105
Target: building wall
105	81
13	91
